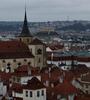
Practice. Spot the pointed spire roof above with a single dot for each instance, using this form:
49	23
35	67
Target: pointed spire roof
25	30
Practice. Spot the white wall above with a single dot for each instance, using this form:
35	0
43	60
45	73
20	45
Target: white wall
34	97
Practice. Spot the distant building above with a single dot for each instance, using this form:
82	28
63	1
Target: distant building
26	50
33	90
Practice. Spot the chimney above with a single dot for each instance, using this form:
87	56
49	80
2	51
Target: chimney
52	85
47	83
61	79
49	72
29	70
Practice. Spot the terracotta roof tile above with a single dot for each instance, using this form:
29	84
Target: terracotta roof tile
14	49
65	88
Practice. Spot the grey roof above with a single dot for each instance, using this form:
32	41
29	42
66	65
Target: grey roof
25	30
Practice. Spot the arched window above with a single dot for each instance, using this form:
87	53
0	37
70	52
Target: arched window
39	51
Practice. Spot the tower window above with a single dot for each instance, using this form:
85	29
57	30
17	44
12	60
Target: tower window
39	51
28	40
39	60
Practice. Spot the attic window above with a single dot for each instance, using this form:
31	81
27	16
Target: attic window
39	51
28	40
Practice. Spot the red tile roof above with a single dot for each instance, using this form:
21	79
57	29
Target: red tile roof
16	87
34	84
14	49
24	69
65	88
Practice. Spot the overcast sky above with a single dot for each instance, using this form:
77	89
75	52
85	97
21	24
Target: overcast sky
45	10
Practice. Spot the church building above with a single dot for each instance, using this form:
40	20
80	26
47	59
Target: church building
25	50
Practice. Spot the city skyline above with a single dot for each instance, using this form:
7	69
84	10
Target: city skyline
45	10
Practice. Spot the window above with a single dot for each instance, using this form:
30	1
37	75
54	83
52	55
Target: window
29	63
42	92
28	40
19	64
14	60
30	93
39	51
38	93
86	92
3	61
20	39
86	86
25	60
26	93
39	60
8	64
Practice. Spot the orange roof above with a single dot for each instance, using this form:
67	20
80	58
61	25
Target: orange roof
65	88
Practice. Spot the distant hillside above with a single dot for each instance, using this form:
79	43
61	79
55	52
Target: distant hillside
45	34
76	27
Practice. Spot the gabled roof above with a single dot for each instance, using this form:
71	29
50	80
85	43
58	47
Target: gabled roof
37	42
13	50
25	30
65	88
34	84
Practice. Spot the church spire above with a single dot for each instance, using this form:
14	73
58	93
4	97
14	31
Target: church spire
25	30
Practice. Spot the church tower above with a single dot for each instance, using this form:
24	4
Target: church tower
25	35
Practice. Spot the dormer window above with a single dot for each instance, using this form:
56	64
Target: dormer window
39	51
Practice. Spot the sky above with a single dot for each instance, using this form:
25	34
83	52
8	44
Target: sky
45	10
